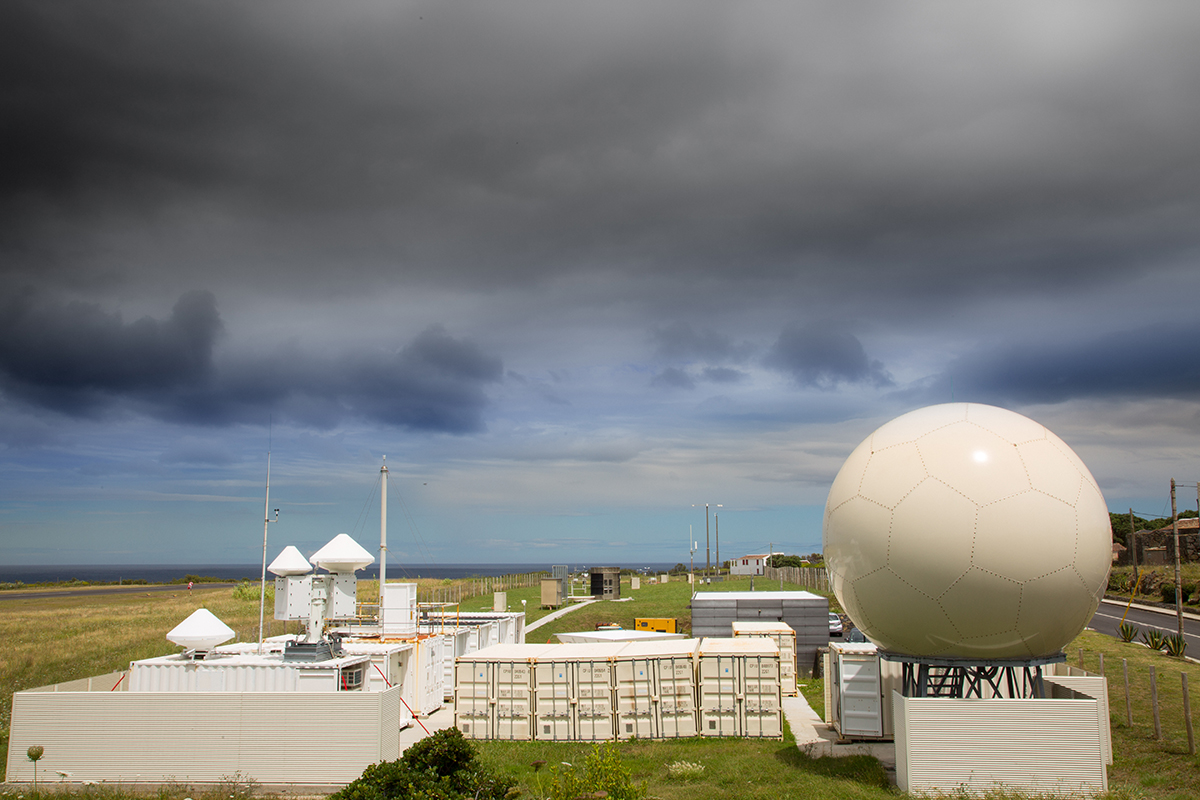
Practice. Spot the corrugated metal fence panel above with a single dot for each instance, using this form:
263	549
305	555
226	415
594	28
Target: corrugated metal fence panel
1091	686
1048	746
138	737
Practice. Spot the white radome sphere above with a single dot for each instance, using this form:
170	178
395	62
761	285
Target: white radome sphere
967	531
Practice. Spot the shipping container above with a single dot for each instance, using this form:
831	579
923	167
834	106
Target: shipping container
494	692
573	692
738	688
656	689
246	672
785	638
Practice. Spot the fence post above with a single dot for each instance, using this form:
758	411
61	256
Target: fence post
1128	708
1081	658
1154	704
1187	715
1102	665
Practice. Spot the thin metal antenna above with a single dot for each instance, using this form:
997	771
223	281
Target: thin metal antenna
383	474
262	593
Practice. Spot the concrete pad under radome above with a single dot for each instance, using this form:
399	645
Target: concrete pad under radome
817	739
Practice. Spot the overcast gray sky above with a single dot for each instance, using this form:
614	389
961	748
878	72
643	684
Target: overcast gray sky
573	267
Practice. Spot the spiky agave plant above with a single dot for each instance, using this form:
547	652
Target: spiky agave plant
1153	639
1127	632
1175	645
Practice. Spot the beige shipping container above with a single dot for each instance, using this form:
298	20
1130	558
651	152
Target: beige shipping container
785	638
739	688
656	689
573	692
494	692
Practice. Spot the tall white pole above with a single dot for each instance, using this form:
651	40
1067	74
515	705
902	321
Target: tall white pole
262	592
383	472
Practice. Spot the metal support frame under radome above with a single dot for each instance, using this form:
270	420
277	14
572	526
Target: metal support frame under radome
931	676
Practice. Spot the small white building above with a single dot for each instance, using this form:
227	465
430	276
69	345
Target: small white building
749	565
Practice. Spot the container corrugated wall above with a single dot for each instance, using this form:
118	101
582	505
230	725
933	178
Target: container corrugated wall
1088	684
656	689
153	737
785	638
1037	745
738	688
494	692
573	692
713	614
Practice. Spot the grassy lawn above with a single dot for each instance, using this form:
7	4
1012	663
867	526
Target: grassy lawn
742	768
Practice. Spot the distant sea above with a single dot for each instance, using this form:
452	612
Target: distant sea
165	573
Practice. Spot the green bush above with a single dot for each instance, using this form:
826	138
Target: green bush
602	772
1168	592
1127	632
252	591
439	767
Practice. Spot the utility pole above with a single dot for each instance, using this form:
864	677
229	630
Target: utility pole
1175	537
1133	539
707	541
717	537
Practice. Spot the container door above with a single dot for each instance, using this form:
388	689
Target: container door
636	694
554	688
861	704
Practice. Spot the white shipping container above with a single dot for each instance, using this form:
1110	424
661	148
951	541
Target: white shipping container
573	692
399	603
391	665
739	688
494	692
656	689
242	672
785	637
428	693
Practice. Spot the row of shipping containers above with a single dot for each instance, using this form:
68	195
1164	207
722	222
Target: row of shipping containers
621	690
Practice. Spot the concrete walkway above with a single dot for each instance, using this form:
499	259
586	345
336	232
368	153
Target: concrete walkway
817	739
556	614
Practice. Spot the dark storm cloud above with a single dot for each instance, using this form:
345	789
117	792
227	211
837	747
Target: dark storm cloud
679	341
723	375
821	355
910	150
1154	361
72	357
76	359
674	378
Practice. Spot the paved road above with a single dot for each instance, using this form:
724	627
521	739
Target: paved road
92	590
1108	618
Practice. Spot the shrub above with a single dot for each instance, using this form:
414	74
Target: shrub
1176	644
1168	592
442	767
252	591
603	775
1153	639
1127	632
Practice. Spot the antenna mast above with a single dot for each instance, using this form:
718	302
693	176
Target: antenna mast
383	472
262	591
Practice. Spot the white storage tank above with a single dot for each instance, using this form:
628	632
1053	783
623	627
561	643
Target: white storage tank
739	688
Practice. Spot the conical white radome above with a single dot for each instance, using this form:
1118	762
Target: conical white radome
201	631
290	562
342	554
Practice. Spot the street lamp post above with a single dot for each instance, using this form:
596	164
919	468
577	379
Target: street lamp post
707	542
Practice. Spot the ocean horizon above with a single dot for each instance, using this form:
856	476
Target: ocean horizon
165	573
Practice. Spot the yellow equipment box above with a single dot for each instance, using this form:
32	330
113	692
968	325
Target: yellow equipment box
660	624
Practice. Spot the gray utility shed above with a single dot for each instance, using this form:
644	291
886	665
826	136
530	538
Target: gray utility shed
606	582
713	614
